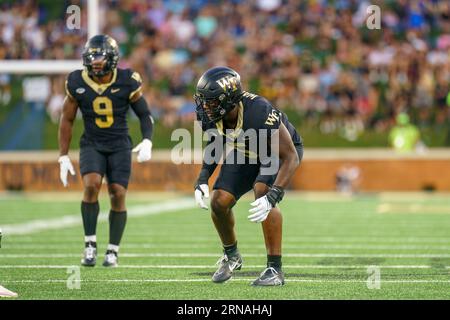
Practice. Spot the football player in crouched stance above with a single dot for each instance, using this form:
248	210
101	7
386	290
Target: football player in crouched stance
223	106
104	94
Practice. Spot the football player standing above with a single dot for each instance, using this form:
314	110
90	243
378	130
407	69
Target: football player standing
103	93
223	106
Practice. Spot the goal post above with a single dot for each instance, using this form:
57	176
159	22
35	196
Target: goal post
39	66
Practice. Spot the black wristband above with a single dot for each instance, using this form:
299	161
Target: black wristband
275	195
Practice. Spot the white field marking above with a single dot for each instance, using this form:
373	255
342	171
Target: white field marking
252	246
51	196
399	208
205	255
411	196
291	239
171	266
209	280
193	240
376	239
75	220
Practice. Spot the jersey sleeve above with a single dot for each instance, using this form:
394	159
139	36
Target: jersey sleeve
135	83
267	116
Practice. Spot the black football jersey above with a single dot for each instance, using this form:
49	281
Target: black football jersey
104	107
256	113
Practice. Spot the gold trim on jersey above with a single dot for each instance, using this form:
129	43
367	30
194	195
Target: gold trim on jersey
239	124
98	87
133	93
67	91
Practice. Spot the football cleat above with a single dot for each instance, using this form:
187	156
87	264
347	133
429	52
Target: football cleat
111	259
90	256
269	277
5	293
226	267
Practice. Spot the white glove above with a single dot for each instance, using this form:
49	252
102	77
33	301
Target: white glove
65	166
144	150
260	210
201	192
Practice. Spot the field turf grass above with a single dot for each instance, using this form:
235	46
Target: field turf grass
334	247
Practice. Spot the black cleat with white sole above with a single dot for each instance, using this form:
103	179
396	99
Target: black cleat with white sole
227	265
89	257
111	259
269	277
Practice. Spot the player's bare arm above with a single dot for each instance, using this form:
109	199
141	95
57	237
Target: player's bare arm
68	115
289	161
288	157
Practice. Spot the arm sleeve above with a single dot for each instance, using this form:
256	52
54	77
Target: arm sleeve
209	166
140	107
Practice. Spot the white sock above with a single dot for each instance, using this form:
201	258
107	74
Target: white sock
90	238
113	247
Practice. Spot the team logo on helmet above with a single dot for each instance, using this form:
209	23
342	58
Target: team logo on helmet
218	92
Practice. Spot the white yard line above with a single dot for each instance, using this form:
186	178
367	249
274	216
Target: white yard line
358	240
299	246
75	220
416	281
213	266
407	208
204	255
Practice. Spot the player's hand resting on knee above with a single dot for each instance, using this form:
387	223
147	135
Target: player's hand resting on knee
201	193
144	150
263	205
261	209
65	166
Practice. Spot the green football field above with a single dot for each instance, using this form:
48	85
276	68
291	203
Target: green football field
374	246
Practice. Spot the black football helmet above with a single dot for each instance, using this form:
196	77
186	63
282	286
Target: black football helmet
101	45
218	91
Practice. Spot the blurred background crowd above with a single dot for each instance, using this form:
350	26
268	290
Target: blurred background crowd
314	59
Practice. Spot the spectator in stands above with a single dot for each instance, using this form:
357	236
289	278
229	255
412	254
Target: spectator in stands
404	137
316	58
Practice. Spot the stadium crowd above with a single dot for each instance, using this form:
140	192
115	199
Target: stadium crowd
315	58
